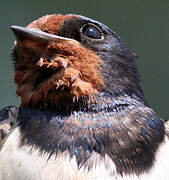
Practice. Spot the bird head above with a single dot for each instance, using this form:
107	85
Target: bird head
81	70
71	58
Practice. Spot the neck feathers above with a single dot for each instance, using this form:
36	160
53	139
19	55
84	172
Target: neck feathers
126	130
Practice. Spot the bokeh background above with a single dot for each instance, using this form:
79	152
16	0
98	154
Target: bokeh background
142	24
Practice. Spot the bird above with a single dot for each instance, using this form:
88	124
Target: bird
83	114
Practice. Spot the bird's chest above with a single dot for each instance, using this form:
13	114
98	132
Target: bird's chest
24	163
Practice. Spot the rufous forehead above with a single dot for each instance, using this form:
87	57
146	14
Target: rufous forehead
51	23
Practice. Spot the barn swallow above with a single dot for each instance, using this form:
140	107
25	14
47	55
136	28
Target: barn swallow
83	114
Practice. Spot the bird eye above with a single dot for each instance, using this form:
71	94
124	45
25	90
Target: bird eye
91	31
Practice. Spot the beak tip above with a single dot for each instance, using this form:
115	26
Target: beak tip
15	28
19	32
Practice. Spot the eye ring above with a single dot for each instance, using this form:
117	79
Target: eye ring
92	31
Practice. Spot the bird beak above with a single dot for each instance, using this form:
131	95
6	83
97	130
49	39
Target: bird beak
37	35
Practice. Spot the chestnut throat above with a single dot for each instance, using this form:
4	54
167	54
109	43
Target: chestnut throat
120	126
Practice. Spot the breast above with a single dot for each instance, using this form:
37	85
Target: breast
18	163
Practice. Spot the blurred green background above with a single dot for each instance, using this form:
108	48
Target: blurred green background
142	24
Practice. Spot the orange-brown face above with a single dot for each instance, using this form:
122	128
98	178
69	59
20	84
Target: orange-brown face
49	70
64	58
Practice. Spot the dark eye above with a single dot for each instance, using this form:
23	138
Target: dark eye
91	32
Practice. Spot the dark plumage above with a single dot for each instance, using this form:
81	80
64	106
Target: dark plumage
81	99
